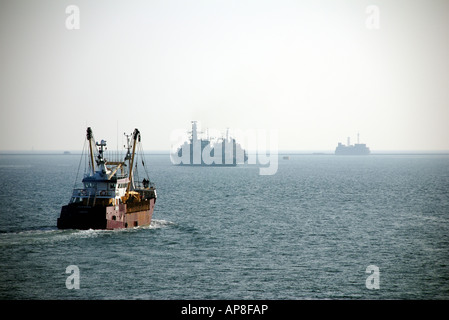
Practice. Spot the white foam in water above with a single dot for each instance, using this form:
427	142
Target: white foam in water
93	233
49	235
27	236
156	224
90	233
64	235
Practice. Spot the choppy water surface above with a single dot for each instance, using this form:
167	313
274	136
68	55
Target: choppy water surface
307	232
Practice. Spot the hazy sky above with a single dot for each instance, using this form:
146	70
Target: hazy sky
313	70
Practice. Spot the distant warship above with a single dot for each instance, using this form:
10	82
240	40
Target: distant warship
357	149
225	152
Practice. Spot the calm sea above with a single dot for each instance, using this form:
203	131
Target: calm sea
308	232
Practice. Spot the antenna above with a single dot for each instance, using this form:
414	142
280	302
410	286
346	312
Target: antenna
117	152
194	131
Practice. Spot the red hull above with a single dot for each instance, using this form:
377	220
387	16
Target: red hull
131	215
119	216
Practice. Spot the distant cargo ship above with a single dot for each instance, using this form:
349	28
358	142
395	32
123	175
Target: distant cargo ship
112	195
357	149
202	151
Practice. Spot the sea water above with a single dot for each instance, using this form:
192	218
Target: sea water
310	231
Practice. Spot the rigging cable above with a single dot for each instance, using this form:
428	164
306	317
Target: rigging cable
79	164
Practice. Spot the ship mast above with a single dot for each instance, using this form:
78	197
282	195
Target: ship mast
135	135
90	138
194	131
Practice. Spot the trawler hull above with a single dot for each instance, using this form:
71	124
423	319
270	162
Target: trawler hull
129	215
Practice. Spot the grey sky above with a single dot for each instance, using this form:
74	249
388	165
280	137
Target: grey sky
311	69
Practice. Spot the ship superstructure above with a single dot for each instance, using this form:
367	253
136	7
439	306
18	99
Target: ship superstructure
112	196
203	151
356	149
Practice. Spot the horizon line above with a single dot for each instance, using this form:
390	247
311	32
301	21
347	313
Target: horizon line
279	152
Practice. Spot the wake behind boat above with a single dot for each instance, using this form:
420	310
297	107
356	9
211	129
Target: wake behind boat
112	195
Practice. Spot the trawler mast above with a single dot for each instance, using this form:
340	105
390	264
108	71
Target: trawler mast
136	134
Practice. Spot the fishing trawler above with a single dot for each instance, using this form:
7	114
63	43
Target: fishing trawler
112	195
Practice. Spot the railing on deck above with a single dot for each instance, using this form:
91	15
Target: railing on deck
84	193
